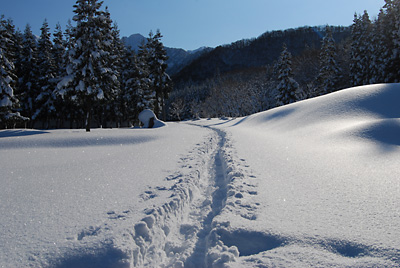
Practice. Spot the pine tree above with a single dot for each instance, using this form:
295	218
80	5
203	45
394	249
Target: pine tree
8	102
288	88
130	86
59	56
391	35
146	93
45	101
160	81
111	105
28	86
361	50
90	76
377	51
329	70
59	51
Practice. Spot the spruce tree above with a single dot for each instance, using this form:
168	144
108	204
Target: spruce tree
378	48
329	70
288	88
111	108
160	81
45	101
28	87
59	49
361	48
130	87
146	92
9	115
392	40
90	77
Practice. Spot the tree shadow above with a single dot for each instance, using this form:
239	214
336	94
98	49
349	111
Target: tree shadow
20	132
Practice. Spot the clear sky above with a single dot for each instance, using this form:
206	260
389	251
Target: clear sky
191	24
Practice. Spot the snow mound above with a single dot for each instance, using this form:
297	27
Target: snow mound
315	184
370	112
150	120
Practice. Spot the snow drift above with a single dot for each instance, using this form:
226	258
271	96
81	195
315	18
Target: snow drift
326	179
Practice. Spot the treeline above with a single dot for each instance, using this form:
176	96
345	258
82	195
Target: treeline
82	77
281	67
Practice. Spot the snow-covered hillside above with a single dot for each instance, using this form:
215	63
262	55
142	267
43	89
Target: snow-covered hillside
311	184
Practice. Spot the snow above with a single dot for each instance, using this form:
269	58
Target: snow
310	184
146	115
5	102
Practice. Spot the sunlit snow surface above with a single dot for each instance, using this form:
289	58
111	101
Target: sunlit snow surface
311	184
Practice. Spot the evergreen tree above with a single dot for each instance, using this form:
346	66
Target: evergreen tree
111	108
391	37
146	93
329	70
288	88
28	86
361	50
160	81
90	77
8	102
120	54
62	111
130	87
378	49
45	101
59	51
71	110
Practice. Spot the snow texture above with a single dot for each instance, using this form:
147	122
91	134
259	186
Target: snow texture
310	184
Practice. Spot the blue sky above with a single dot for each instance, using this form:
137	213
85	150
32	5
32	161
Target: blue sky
190	24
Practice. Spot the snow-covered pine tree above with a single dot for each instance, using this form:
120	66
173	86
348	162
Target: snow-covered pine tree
288	89
59	56
71	110
113	108
130	86
59	52
45	101
392	40
8	102
329	70
28	85
90	76
378	49
146	93
160	81
361	50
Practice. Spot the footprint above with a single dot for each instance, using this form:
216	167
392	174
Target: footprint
90	231
148	195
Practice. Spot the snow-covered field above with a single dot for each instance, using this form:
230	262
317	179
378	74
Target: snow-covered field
311	184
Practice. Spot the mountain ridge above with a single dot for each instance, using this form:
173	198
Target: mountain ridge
178	58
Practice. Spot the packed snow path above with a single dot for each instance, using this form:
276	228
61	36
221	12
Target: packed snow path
184	233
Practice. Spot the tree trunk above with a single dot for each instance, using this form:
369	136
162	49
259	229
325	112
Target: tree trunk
88	116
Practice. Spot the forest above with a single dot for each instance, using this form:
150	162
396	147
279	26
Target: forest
86	77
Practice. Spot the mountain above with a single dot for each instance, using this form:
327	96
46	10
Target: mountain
178	57
134	41
257	52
